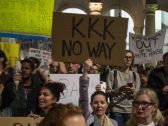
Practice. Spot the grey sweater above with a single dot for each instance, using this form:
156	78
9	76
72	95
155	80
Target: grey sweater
121	102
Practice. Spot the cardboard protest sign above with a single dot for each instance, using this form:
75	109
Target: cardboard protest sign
79	37
147	49
71	94
26	16
19	121
12	52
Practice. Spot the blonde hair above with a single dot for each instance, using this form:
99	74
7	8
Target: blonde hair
157	116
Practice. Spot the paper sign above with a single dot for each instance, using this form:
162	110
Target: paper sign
12	52
71	94
42	55
147	49
79	37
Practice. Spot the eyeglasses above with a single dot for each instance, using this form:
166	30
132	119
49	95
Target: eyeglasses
143	104
128	57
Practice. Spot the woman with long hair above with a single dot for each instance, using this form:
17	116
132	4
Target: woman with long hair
145	110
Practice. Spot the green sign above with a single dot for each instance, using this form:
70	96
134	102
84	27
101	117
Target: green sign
26	16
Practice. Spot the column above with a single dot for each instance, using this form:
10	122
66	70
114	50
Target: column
150	18
138	30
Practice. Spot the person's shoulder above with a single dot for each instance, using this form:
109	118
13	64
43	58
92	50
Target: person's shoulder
159	69
114	122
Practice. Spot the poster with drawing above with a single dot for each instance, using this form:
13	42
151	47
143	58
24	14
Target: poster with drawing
147	49
71	93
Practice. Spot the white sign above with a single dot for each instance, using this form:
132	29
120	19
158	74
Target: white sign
42	55
147	49
71	94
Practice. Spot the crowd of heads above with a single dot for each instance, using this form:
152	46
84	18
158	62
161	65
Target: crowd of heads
145	100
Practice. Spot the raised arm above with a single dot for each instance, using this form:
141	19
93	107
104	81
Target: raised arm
83	89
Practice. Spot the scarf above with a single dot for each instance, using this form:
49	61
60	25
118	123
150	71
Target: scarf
106	122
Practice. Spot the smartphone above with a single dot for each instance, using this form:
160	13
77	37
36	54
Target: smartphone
130	85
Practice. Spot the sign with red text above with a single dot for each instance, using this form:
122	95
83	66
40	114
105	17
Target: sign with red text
79	37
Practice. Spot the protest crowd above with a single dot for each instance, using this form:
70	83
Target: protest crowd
127	95
62	69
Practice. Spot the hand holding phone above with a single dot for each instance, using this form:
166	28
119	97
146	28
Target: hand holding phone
130	85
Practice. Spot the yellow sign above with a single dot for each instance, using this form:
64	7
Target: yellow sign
11	51
19	121
26	16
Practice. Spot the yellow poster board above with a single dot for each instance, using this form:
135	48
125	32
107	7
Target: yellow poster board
76	38
11	51
19	121
26	16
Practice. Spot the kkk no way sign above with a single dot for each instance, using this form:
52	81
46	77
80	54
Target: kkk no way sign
78	37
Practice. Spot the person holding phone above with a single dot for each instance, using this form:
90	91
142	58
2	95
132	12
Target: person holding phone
122	83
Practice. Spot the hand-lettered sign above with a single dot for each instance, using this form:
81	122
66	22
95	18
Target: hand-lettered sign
26	16
78	37
71	81
147	49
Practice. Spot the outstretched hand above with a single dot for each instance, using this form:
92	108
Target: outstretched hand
86	65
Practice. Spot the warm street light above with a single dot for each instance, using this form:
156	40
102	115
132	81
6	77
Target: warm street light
95	7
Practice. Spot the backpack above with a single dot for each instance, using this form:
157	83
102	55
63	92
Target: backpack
115	75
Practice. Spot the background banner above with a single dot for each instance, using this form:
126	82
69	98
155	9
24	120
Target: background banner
12	52
147	49
26	16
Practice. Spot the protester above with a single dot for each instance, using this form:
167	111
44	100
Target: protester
6	75
143	74
121	86
57	67
73	68
20	95
158	81
145	110
3	61
49	94
37	75
63	115
98	103
94	69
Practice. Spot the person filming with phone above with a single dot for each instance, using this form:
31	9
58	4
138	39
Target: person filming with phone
121	85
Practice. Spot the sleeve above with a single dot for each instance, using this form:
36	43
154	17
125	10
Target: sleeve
112	89
111	83
83	97
137	82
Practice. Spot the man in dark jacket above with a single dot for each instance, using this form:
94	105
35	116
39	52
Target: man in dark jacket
21	97
158	81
